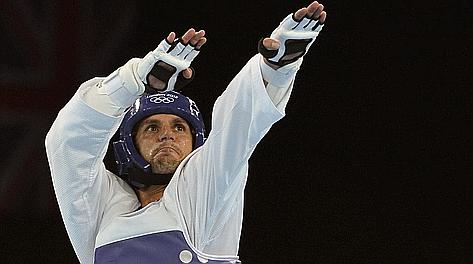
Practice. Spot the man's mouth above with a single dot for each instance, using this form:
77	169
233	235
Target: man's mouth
166	149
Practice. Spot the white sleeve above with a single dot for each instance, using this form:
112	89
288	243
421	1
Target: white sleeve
108	95
210	189
76	145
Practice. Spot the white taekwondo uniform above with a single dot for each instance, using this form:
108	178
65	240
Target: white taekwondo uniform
199	218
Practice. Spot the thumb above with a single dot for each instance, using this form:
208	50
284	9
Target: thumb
187	73
271	44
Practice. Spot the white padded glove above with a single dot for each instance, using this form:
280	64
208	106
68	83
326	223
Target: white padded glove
128	82
295	38
177	55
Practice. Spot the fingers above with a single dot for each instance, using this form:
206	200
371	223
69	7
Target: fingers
188	35
299	14
313	11
171	37
196	39
271	44
193	37
313	7
200	43
322	17
187	73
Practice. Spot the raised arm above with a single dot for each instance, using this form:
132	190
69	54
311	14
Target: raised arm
78	139
282	52
213	179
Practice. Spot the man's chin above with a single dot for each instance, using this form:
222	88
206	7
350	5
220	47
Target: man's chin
165	168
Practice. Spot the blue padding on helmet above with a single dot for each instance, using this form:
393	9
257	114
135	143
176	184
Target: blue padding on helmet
169	102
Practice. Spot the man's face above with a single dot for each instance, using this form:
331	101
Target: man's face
163	140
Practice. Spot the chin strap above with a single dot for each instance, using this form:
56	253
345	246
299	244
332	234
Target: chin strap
140	179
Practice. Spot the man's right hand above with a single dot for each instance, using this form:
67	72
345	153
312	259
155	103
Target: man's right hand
171	61
174	56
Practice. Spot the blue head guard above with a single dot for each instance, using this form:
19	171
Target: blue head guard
132	167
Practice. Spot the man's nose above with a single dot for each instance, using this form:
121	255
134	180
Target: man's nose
166	134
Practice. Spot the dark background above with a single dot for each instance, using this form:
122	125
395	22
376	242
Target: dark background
371	165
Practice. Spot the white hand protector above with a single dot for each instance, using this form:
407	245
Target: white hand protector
167	62
295	38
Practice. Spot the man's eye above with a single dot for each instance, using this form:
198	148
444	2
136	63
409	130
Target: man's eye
180	128
152	128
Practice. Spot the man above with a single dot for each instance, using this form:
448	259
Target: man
177	199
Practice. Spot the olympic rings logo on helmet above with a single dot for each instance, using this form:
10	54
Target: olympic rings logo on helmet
161	99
